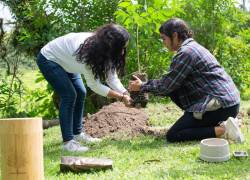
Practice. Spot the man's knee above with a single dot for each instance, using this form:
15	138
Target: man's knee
171	136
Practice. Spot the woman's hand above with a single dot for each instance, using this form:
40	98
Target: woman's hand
135	85
127	100
125	97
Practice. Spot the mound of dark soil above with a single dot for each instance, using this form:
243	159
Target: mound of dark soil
114	118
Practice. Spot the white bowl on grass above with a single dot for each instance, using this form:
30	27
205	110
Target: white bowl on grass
214	150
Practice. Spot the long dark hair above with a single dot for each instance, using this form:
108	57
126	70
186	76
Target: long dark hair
103	51
176	25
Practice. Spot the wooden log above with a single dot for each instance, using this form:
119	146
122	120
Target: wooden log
50	123
21	145
78	164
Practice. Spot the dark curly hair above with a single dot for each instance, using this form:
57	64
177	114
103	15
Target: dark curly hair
176	25
103	51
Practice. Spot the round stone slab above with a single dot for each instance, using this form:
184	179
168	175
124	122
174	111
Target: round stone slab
77	164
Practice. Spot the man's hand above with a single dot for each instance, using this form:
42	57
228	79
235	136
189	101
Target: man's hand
135	84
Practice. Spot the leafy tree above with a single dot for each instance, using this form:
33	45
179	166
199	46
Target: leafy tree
40	21
217	24
143	19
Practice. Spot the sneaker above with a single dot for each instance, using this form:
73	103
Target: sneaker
232	131
74	146
237	121
86	138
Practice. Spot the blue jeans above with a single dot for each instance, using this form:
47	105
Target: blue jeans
72	93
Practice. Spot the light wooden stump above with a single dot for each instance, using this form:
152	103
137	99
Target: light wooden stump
21	144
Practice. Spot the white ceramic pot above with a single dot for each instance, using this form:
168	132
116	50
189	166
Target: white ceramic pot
214	150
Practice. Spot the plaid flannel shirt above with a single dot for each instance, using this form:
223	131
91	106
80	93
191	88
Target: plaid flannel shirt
195	76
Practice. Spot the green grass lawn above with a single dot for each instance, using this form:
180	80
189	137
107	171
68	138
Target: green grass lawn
147	157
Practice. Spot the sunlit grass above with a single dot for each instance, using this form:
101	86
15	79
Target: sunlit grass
147	157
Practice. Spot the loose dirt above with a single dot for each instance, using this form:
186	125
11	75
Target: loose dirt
116	118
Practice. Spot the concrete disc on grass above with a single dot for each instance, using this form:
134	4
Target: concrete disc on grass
78	164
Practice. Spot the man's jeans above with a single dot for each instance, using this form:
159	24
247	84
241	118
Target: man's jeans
188	128
72	93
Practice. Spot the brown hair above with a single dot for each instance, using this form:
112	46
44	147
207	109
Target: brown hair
176	25
103	51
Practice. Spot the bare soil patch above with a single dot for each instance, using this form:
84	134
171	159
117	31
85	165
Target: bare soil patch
114	118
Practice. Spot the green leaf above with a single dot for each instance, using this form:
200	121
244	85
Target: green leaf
39	79
124	4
